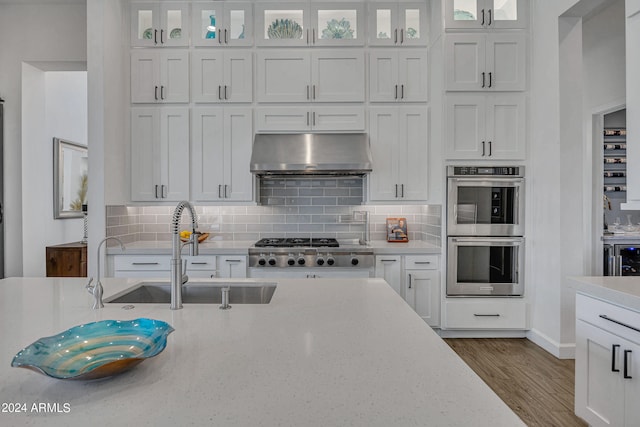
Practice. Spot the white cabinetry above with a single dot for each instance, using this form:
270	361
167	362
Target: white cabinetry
159	76
488	14
221	150
389	268
221	76
632	46
491	126
416	278
398	137
607	363
310	24
398	75
222	23
232	266
398	24
305	118
481	62
486	314
157	24
159	266
159	153
316	76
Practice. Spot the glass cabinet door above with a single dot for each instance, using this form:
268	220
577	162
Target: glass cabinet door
174	30
144	25
398	24
222	24
282	24
159	24
486	13
337	24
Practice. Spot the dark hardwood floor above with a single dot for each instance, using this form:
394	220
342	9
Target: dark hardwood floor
536	385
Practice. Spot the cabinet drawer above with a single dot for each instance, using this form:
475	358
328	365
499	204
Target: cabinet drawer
141	263
618	320
200	262
421	262
486	315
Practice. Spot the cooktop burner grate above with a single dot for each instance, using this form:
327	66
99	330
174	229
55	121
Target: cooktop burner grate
297	242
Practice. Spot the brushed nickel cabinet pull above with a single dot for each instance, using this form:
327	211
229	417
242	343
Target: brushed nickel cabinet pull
145	263
308	123
233	260
388	260
422	262
486	315
164	192
314	118
401	190
225	191
199	263
396	190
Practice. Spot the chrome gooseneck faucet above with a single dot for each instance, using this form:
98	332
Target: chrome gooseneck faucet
177	276
97	290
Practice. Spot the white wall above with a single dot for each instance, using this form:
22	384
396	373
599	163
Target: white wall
30	32
567	62
58	100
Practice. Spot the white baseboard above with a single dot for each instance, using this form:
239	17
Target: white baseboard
561	351
455	333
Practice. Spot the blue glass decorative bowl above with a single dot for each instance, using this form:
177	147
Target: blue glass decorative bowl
95	350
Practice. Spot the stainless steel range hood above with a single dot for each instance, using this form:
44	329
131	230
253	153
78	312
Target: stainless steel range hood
311	154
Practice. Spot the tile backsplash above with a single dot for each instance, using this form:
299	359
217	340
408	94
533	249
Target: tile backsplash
290	207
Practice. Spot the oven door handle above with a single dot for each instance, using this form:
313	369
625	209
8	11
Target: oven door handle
488	182
510	240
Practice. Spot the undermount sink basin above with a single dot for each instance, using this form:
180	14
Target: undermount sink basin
196	293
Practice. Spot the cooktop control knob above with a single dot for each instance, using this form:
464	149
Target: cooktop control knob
330	260
291	261
354	261
272	260
320	260
262	261
301	259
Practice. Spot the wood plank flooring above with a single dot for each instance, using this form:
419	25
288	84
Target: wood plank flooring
533	383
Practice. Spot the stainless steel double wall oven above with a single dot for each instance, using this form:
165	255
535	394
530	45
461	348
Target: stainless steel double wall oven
485	231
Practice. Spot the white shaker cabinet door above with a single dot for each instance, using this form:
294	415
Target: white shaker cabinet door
465	126
506	126
465	62
238	135
505	62
145	153
389	268
174	135
413	171
283	76
221	77
413	75
422	288
207	162
337	76
384	141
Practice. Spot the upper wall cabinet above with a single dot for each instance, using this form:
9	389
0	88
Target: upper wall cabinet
327	75
488	14
398	24
218	23
221	76
158	24
310	24
482	62
159	76
398	75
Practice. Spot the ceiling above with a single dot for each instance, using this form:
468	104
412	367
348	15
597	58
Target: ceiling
43	1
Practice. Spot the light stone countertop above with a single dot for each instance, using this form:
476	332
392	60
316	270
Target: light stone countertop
324	352
620	290
239	247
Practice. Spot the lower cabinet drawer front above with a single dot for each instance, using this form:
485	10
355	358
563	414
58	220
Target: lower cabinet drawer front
421	262
200	262
617	320
486	315
141	262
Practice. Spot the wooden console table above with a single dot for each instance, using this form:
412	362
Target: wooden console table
67	260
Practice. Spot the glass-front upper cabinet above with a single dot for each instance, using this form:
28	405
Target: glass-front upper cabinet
398	24
282	24
337	24
159	24
487	14
310	24
217	23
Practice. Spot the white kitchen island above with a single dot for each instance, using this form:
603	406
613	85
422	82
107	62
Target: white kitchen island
324	352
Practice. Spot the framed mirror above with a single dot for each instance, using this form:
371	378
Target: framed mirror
70	178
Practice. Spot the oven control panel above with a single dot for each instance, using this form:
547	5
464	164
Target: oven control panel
514	171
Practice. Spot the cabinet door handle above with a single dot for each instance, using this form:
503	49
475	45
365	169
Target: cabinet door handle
613	358
307	39
617	322
313	39
219	36
486	315
489	12
199	263
483	149
225	88
489	148
395	36
219	92
314	91
401	35
625	368
388	260
314	118
164	191
155	92
161	36
308	122
155	36
233	260
226	39
225	191
307	91
483	85
219	191
161	92
410	277
422	262
156	191
490	79
145	263
401	91
396	92
396	190
401	190
482	23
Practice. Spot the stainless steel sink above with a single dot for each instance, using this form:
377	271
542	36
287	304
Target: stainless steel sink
196	293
